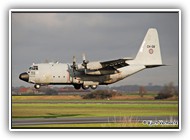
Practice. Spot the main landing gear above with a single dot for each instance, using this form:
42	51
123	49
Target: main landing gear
78	86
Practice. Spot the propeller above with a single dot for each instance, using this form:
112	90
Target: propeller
85	62
74	66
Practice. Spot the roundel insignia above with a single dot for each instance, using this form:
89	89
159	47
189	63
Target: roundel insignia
151	51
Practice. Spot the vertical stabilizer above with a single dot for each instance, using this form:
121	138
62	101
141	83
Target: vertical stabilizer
149	52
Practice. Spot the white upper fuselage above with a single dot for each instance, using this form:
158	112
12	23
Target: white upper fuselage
49	73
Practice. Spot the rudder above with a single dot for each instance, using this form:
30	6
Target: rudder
149	53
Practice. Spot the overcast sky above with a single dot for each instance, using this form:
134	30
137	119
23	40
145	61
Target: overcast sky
37	37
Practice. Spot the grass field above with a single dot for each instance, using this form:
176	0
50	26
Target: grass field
58	107
91	110
65	98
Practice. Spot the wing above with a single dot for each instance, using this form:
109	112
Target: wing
102	68
114	64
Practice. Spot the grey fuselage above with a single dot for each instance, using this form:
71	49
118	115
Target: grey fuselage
59	73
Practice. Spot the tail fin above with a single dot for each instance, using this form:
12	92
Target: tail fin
149	52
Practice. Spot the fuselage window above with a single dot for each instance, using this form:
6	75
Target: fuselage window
35	67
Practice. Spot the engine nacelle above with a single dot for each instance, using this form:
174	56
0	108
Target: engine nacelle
94	65
100	72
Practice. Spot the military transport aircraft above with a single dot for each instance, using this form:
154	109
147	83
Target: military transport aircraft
91	74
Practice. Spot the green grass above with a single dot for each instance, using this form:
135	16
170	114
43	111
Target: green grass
92	110
73	106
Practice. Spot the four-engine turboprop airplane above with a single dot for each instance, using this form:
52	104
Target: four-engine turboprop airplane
91	74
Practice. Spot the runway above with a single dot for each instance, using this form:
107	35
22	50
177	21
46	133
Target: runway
85	120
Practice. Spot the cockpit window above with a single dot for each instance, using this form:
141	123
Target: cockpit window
33	68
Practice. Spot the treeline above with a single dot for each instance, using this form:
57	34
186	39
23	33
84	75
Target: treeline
101	94
135	88
167	91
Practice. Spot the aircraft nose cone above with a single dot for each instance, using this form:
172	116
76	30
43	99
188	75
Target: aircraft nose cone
24	76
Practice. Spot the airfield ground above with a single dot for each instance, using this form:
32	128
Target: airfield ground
73	112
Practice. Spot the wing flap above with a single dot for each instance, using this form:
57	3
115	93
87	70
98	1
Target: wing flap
113	64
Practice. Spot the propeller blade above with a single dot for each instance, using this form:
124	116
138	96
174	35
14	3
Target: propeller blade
83	57
74	66
74	60
85	62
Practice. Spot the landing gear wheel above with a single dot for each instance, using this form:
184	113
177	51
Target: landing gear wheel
85	87
37	86
77	86
93	86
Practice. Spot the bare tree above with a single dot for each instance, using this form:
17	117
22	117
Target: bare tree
142	91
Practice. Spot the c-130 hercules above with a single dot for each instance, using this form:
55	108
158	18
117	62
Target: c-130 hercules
91	74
